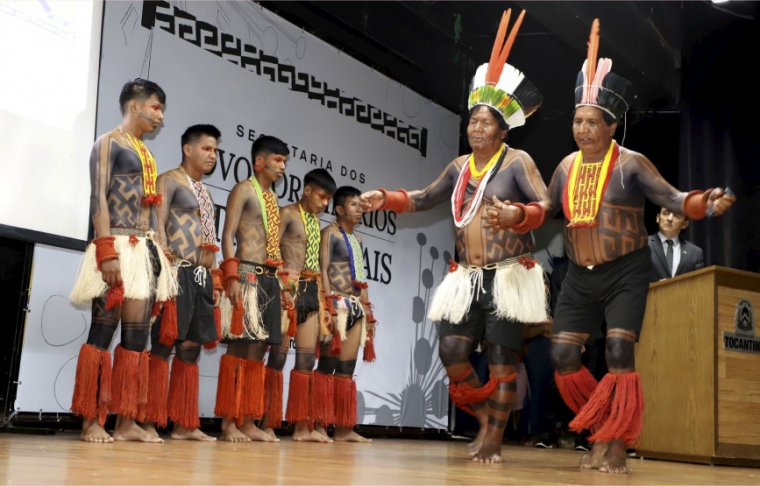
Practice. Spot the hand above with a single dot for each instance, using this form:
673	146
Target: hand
502	215
720	201
217	297
233	292
372	200
111	272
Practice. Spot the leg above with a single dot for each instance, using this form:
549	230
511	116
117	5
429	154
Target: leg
324	389
619	353
454	351
301	402
92	389
273	388
158	392
129	390
345	389
183	394
229	391
575	383
501	365
252	398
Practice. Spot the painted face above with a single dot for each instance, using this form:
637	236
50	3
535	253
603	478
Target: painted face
272	164
315	199
150	112
201	154
591	133
483	132
671	224
351	210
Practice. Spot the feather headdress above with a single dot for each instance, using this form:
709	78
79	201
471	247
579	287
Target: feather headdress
502	87
597	86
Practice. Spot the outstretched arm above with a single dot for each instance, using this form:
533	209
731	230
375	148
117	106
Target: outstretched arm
417	200
695	204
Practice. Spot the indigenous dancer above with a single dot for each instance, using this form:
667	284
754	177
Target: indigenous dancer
122	272
186	229
350	319
301	296
496	194
251	310
601	189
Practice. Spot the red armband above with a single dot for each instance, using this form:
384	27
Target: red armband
695	204
216	277
397	201
229	269
104	249
534	217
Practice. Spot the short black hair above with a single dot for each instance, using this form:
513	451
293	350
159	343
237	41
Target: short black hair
194	132
498	116
268	144
139	88
343	193
320	178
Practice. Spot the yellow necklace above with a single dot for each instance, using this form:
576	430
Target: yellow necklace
479	174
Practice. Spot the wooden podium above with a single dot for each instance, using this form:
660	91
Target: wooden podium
700	374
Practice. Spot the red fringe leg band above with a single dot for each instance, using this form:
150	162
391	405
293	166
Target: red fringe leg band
625	412
158	392
345	402
92	387
252	402
229	389
323	398
129	387
183	394
463	394
273	398
575	387
299	397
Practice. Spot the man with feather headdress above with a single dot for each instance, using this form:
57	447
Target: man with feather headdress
497	197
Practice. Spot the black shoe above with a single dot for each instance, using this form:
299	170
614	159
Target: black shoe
581	447
543	444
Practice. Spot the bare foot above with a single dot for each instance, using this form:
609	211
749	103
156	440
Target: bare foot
94	433
232	434
474	446
270	431
349	435
320	428
150	428
595	457
253	432
128	430
181	433
490	450
302	433
615	459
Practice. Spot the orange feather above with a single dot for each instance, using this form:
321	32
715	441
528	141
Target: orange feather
500	51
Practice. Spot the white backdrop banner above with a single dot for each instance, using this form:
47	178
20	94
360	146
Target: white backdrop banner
249	72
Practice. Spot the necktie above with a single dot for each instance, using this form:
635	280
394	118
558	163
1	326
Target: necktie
669	256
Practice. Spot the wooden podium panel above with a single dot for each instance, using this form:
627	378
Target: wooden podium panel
702	400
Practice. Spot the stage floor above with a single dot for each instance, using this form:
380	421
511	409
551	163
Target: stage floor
62	460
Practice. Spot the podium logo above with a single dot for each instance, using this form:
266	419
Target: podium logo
744	339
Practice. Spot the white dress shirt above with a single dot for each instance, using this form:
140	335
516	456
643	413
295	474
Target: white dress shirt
676	251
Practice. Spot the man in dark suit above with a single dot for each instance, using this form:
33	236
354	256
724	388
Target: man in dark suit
671	254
